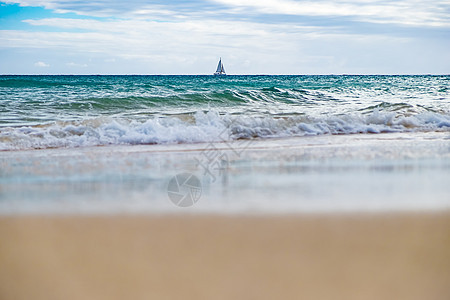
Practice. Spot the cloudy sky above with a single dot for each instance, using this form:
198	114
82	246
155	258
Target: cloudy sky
251	36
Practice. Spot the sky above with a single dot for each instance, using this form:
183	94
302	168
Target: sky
251	36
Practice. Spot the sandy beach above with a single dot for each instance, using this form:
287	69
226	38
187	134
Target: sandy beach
352	256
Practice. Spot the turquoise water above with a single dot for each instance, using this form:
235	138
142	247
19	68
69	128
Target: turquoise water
76	111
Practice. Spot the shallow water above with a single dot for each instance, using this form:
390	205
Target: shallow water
341	173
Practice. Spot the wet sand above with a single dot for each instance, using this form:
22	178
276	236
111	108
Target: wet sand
353	256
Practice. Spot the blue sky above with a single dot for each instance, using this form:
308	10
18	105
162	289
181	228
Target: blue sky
252	37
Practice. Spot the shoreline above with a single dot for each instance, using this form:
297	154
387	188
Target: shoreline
332	256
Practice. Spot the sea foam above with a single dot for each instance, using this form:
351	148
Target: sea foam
211	126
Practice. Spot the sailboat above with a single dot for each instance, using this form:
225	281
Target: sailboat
220	69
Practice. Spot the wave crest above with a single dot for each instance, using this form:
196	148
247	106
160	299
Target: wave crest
210	127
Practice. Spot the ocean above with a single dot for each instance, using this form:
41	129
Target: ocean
224	143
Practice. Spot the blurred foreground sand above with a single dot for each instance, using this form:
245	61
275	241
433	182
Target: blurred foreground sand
394	256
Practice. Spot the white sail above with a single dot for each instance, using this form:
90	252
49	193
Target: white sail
220	68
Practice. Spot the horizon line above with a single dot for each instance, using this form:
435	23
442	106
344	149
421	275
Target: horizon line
262	74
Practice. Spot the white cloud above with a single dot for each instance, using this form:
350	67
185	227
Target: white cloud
187	47
151	40
72	64
41	64
110	8
406	12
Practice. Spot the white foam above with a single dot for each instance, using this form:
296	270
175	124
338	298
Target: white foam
211	127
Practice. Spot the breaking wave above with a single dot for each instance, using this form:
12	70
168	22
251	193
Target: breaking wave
211	126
